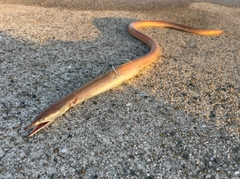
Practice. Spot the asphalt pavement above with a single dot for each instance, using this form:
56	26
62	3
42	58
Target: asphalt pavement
179	118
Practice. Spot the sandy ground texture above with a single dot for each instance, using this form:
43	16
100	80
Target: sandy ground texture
179	118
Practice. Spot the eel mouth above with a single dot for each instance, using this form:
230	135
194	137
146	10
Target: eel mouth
36	128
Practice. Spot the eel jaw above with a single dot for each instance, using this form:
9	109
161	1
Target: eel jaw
37	127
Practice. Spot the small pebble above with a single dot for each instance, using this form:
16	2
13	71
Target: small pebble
63	152
237	172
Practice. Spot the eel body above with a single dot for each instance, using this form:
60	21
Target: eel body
112	78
